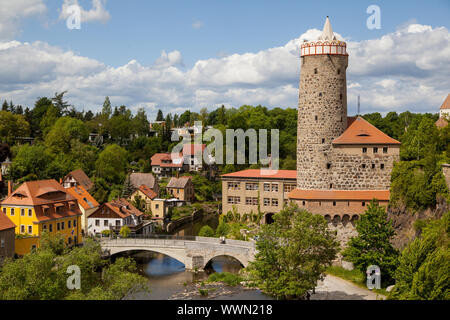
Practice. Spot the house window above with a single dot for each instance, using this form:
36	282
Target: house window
157	206
275	202
2	243
339	71
334	203
22	212
248	201
315	70
234	186
22	229
340	96
328	165
50	228
274	187
4	210
44	227
373	165
117	223
30	212
385	150
363	203
12	212
251	186
266	202
375	150
364	150
323	140
320	94
69	240
304	203
266	186
331	186
62	225
74	223
69	224
97	223
30	229
288	187
363	165
58	227
105	223
382	166
316	118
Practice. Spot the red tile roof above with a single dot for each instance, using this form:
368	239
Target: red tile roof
148	192
5	223
339	194
258	173
165	160
446	104
362	132
441	123
178	183
123	208
84	198
81	178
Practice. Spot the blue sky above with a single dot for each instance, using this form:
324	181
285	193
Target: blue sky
215	36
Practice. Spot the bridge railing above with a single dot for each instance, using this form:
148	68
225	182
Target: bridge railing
151	236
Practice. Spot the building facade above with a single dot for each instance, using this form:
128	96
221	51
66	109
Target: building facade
86	203
444	111
181	188
116	214
77	178
249	191
7	238
342	162
38	206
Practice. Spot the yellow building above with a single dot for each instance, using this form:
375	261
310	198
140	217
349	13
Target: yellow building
38	206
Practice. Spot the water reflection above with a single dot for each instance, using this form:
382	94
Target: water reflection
168	276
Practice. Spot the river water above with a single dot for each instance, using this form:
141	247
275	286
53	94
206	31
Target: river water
168	276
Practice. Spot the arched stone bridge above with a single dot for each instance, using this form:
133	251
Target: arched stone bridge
194	252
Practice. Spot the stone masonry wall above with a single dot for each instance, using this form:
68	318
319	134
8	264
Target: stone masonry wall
322	117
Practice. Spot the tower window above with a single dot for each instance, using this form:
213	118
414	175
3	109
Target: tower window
340	96
304	203
363	165
323	140
315	118
382	166
339	71
315	70
320	94
334	203
328	165
373	165
331	186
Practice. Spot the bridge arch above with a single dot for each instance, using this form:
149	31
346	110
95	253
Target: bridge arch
242	260
181	257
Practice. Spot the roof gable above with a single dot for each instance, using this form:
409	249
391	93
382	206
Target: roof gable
361	131
84	198
179	183
446	104
5	223
138	179
81	177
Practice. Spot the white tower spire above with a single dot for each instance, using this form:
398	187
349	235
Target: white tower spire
327	33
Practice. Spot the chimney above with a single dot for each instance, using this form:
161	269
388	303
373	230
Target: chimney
10	187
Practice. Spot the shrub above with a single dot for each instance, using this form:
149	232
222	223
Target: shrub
230	279
125	232
206	231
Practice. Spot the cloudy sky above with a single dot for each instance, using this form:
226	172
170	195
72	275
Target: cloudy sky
178	55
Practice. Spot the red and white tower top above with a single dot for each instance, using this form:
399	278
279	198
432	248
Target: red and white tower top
326	44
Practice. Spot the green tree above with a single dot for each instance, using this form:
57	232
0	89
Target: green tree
29	160
58	139
12	126
60	104
124	232
424	265
206	231
106	109
160	116
111	164
128	188
222	229
293	253
372	246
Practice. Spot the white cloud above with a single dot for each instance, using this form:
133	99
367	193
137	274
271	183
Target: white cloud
12	12
197	24
96	13
404	70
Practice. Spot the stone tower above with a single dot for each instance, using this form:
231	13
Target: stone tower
322	108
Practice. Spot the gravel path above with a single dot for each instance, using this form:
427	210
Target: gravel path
334	288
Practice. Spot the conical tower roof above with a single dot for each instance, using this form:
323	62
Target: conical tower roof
327	33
